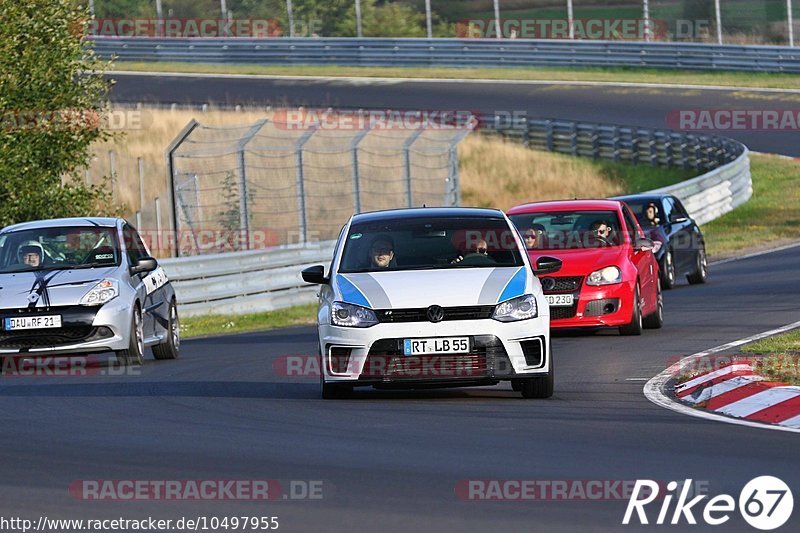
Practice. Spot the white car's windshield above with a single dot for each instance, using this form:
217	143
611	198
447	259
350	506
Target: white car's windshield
429	243
58	248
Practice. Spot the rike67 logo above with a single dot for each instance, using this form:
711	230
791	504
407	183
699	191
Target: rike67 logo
765	503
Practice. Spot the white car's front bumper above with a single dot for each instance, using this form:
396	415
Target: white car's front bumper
374	355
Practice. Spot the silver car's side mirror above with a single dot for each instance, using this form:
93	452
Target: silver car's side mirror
145	264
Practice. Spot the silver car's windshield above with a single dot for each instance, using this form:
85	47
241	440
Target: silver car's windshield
58	248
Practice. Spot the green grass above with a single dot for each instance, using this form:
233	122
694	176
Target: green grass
740	79
777	358
770	216
779	344
638	178
200	326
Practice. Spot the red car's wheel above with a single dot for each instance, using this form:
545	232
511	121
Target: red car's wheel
656	319
635	326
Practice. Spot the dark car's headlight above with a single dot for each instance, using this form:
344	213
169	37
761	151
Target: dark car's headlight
605	276
105	291
520	308
352	316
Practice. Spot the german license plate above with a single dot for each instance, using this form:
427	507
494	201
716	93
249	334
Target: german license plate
32	322
559	300
436	345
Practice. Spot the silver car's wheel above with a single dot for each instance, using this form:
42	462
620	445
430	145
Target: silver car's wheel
170	347
134	355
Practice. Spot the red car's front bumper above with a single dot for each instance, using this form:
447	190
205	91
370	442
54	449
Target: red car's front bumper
609	305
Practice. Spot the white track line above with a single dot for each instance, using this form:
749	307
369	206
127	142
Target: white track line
654	389
376	79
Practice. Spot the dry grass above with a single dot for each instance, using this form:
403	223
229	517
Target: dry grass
503	174
152	130
493	172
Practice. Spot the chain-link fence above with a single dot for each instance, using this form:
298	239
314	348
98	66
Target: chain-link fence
270	183
730	21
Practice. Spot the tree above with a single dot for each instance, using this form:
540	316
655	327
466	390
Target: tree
53	98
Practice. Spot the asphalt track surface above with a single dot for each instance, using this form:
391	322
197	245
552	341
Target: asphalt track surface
638	106
390	461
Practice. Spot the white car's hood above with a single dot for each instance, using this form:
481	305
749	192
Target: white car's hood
48	287
452	287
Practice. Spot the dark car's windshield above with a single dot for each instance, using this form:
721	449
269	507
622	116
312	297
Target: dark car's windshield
639	208
429	243
565	230
58	248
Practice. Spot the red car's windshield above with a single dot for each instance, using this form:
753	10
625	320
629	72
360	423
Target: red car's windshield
565	230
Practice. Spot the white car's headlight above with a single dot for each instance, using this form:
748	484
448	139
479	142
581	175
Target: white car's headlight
605	276
520	308
104	291
352	316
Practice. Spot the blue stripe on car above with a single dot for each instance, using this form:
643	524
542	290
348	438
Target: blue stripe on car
515	286
350	293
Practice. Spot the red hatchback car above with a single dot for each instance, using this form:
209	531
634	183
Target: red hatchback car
609	275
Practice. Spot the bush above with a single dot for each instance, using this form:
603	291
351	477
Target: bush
53	99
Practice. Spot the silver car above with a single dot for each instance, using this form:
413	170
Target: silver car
81	286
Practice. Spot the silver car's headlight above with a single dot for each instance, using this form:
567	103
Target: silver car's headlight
520	308
605	276
352	316
106	290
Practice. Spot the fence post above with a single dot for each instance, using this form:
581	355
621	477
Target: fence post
356	177
112	164
407	164
140	164
244	196
595	144
300	183
548	134
615	143
170	161
158	225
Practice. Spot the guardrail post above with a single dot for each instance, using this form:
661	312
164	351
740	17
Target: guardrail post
595	142
615	143
685	151
548	134
668	152
407	164
653	149
635	146
573	139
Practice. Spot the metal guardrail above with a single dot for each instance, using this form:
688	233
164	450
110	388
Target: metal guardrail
241	282
452	53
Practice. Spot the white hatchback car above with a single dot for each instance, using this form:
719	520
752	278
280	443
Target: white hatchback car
433	297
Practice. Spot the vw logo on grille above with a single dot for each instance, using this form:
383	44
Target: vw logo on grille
435	313
548	284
